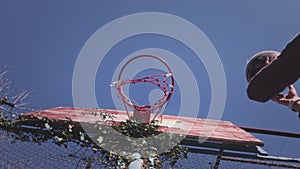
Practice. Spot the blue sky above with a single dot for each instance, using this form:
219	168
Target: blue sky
41	40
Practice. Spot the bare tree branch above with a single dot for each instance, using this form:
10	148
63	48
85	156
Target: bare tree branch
11	99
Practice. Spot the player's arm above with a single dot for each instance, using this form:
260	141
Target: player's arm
272	79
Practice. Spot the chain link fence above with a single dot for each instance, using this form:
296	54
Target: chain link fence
17	154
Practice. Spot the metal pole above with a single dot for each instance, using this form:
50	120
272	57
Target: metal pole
271	132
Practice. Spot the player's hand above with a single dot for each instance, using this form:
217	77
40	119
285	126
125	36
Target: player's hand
285	99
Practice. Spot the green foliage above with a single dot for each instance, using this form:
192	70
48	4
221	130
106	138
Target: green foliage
112	149
137	130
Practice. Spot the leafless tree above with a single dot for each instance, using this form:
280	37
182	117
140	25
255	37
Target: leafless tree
11	99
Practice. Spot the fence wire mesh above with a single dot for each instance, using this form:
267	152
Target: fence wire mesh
48	155
16	154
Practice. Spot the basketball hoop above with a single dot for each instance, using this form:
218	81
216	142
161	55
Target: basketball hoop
165	82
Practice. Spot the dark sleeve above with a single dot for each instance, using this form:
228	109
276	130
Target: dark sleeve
274	78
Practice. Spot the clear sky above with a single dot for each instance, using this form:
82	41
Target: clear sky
42	40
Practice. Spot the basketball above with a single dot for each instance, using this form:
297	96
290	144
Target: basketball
258	61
